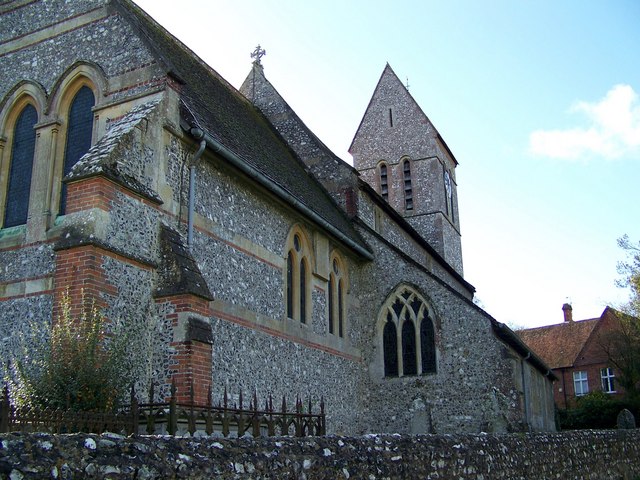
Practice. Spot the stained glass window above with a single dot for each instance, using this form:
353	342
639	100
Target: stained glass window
21	168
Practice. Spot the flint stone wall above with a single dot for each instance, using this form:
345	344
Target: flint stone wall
607	454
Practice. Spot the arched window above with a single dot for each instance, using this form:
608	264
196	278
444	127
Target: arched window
298	278
408	334
448	192
79	133
337	285
303	290
384	182
20	168
428	344
390	348
408	191
409	360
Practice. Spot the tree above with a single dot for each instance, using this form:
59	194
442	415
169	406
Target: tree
630	271
622	345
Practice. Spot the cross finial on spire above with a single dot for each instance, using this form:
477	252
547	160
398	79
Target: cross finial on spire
257	54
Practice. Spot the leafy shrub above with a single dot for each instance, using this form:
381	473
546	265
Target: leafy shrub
595	410
81	367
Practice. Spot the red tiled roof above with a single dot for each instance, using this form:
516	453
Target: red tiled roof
559	345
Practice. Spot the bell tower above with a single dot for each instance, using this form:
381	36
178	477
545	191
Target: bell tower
398	151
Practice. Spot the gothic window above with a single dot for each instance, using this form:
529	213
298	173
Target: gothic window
448	191
384	182
20	168
79	133
303	290
337	285
298	279
408	191
408	335
390	348
409	360
427	342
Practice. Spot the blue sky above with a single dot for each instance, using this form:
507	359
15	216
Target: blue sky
537	100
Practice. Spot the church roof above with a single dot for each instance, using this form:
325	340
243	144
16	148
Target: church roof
214	106
559	345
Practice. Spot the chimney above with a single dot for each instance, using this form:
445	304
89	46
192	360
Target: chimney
568	315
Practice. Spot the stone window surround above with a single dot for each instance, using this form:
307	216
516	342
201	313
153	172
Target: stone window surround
23	96
337	292
292	293
46	184
384	174
429	314
407	184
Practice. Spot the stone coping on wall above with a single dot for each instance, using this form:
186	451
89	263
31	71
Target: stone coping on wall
589	454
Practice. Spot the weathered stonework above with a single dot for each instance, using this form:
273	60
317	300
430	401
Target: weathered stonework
214	313
583	455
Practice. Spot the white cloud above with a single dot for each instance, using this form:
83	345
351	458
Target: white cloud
612	131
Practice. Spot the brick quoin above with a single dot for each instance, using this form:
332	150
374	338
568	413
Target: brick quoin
79	273
93	192
192	361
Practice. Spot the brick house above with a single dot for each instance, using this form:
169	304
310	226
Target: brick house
229	245
574	350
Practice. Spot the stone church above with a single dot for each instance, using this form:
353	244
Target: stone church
230	244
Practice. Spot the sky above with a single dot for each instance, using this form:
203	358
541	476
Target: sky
538	101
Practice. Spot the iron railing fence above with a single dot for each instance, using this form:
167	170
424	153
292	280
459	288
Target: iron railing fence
172	417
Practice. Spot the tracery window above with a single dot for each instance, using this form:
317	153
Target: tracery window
408	335
79	134
408	191
384	181
20	168
337	287
298	278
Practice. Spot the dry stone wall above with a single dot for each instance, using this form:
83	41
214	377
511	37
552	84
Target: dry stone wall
585	455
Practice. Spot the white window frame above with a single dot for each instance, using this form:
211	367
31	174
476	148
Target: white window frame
607	378
580	383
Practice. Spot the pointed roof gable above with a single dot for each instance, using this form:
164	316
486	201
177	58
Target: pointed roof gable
391	93
335	175
211	104
261	92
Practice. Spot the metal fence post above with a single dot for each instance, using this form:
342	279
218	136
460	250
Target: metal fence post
5	408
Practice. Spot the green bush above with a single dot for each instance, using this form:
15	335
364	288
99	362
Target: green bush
595	410
81	367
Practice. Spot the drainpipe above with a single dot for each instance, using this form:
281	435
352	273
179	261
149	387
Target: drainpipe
237	162
524	390
199	135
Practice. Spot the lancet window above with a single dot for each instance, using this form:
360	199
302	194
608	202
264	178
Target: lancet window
298	278
20	169
408	191
337	292
79	134
384	181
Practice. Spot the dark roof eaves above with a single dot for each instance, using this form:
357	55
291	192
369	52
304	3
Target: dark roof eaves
356	245
400	220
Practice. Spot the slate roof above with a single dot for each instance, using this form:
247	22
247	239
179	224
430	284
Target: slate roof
213	105
559	345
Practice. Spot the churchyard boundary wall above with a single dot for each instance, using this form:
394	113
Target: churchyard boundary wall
587	454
